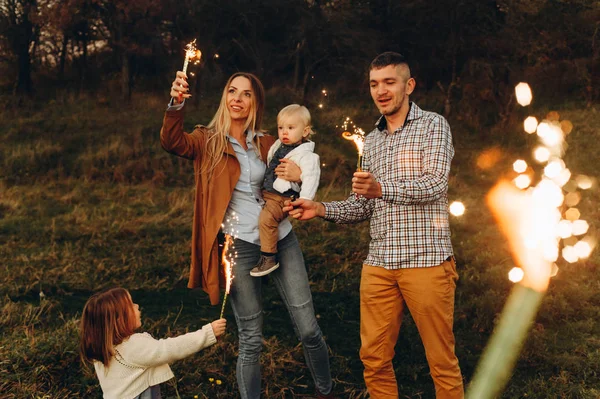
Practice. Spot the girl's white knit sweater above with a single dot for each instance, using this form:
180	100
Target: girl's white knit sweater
142	361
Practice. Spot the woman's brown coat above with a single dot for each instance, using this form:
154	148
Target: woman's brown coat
211	199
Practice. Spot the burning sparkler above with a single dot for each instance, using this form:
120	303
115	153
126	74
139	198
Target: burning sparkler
531	220
191	53
228	256
358	136
228	267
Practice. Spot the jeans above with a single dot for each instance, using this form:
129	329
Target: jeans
291	281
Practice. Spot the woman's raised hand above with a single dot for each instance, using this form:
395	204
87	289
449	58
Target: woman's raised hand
180	88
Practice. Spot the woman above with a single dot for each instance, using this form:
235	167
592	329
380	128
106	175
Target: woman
229	162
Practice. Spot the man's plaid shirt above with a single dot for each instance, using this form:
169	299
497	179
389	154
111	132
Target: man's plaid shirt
409	224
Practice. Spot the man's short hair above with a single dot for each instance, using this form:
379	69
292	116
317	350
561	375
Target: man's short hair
388	58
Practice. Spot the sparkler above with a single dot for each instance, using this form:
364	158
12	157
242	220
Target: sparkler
228	256
227	265
191	53
532	222
358	137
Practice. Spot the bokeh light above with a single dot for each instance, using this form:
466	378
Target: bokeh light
457	208
516	274
520	166
541	154
522	181
530	124
523	92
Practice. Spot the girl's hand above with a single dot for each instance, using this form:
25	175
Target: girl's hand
218	327
288	170
180	88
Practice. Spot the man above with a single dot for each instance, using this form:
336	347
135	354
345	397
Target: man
403	191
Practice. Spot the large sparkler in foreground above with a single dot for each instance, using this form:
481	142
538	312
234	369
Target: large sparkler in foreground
358	137
531	219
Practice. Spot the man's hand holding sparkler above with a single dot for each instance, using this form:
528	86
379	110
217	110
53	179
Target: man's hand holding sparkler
180	88
303	209
365	185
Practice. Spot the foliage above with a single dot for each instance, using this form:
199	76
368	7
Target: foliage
89	200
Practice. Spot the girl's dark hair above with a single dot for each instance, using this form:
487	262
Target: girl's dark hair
107	320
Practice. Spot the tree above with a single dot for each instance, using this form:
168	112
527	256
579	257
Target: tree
19	30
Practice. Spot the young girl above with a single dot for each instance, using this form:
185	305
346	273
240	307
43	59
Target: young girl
132	365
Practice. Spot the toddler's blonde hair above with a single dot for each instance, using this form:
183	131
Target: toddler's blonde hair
299	110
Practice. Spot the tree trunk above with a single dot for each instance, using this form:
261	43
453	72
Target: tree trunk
63	58
125	76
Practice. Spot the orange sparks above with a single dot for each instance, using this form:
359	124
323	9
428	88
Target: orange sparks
227	266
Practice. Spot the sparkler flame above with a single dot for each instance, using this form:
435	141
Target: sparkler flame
358	137
227	264
191	53
228	255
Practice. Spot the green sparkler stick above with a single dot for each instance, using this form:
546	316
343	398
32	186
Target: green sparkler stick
223	306
501	354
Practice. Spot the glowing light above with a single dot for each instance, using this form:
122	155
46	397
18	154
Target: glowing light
583	249
320	105
580	227
520	166
489	158
569	253
324	92
566	127
522	181
564	229
584	182
530	124
527	220
572	199
553	116
550	134
572	214
554	168
523	92
563	177
457	208
191	53
548	192
541	154
516	274
216	55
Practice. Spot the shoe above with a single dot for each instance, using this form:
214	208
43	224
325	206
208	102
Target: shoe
265	265
328	396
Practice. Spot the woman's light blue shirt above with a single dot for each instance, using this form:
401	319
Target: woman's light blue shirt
241	218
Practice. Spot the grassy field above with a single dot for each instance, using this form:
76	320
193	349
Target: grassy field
89	200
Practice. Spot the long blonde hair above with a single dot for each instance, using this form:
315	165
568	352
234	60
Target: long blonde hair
219	126
108	319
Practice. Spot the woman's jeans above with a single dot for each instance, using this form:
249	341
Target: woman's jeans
291	281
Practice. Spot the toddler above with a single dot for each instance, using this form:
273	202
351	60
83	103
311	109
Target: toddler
293	129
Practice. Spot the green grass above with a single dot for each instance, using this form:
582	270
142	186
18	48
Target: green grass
89	200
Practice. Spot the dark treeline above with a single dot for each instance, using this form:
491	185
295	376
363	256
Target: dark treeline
469	51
